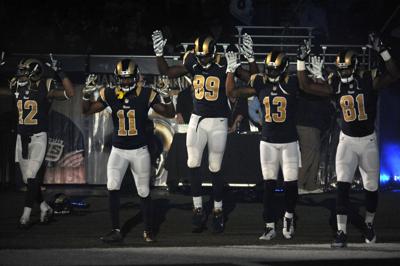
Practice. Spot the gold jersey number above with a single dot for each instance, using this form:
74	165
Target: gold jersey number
206	88
122	129
350	112
32	107
280	115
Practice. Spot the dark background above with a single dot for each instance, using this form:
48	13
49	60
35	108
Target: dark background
125	27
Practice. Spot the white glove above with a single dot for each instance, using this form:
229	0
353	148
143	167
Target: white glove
158	42
90	85
162	87
315	67
247	48
231	60
54	64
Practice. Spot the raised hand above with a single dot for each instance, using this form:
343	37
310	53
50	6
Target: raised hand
304	50
315	67
162	87
376	43
232	64
247	48
54	64
158	42
90	85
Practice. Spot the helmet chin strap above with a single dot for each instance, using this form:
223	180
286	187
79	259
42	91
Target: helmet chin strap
22	83
126	89
347	80
273	80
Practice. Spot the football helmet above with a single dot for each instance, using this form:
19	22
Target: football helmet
346	65
276	64
127	74
30	69
205	50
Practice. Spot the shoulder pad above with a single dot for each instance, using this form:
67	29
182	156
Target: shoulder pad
253	78
187	56
152	95
217	59
286	79
49	83
12	82
103	94
330	78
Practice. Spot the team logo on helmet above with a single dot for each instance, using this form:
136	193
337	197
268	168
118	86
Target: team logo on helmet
127	74
276	64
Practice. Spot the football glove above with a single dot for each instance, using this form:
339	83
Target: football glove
158	42
247	48
232	64
304	50
315	67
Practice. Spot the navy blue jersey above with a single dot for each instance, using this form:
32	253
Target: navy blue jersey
209	99
129	115
357	102
33	105
278	100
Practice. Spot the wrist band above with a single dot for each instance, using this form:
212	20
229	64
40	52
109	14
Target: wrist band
251	59
385	55
85	99
301	65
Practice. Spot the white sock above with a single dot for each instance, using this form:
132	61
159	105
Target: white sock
342	222
369	217
289	215
27	213
218	205
270	225
44	206
198	202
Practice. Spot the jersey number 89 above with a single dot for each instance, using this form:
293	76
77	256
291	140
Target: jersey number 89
206	88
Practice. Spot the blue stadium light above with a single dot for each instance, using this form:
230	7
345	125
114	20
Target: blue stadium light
384	179
390	164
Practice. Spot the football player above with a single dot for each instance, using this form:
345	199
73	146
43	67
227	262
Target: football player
208	123
33	96
279	146
130	102
355	92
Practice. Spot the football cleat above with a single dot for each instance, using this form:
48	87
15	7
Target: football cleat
340	240
46	215
114	236
148	236
198	220
288	228
269	234
218	221
369	233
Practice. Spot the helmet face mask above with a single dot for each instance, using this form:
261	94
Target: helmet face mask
276	65
205	50
127	74
346	65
